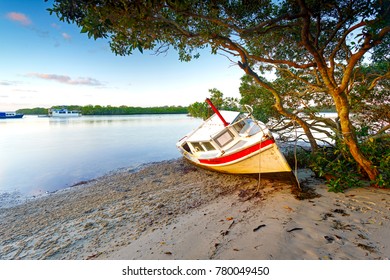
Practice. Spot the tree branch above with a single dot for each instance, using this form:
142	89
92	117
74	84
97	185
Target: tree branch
368	43
305	36
268	24
341	42
376	80
311	85
282	61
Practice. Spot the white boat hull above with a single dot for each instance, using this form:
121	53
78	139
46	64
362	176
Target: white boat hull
252	160
66	115
233	142
63	113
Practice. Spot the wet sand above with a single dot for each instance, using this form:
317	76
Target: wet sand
173	210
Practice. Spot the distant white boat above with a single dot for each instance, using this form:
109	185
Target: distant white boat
63	113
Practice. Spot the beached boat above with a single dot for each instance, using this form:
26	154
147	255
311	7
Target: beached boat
10	115
63	113
233	142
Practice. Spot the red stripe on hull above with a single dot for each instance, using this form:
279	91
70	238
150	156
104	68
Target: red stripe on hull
238	155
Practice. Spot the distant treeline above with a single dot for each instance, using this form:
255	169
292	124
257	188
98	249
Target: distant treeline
109	110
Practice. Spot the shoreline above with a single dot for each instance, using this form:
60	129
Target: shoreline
173	210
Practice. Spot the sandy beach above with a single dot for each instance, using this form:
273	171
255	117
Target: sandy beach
173	210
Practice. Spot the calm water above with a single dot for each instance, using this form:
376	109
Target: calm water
41	155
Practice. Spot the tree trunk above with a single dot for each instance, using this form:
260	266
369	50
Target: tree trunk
348	133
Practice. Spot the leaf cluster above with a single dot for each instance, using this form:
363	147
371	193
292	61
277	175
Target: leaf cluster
202	110
339	168
259	98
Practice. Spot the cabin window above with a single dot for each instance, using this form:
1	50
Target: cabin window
202	146
224	138
208	146
186	147
197	147
239	126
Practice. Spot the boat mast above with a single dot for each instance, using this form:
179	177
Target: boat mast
225	123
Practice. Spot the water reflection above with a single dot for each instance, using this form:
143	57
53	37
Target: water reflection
46	154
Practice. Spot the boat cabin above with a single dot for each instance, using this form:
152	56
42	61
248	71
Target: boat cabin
233	142
214	138
63	112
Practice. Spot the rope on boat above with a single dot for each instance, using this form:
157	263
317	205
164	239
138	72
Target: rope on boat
295	156
259	182
250	111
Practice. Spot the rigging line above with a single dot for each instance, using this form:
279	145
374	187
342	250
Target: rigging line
250	111
250	115
295	156
259	182
262	131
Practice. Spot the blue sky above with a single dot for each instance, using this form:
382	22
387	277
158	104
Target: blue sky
46	62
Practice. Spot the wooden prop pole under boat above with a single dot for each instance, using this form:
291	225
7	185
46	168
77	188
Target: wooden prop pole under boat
225	123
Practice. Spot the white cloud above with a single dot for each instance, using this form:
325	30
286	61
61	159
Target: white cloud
66	36
19	17
55	26
66	79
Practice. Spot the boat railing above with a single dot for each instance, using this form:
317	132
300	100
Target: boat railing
247	116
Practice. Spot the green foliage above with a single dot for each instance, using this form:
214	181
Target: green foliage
347	181
259	98
110	110
379	153
199	110
370	98
202	109
33	111
337	167
301	157
341	171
